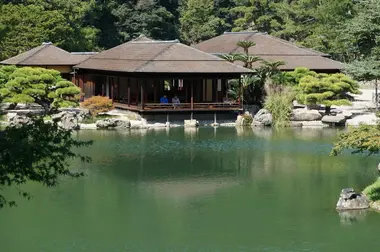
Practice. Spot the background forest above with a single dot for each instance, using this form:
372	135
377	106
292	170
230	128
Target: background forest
347	29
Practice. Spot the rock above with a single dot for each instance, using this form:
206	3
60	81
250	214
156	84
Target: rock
19	120
334	120
80	113
350	200
305	115
90	126
264	117
347	114
10	116
118	123
296	124
215	124
297	105
28	111
257	124
138	124
191	123
69	121
313	124
105	123
5	106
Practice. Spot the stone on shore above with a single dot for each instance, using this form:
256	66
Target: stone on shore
90	126
338	120
139	124
69	121
299	115
350	200
191	123
18	120
264	117
117	123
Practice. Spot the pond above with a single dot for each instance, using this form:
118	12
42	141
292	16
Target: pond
198	190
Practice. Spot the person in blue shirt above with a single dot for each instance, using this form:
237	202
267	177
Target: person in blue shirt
164	99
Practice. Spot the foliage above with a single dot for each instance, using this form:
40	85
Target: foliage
279	102
364	70
293	78
98	104
373	191
36	152
364	139
333	89
144	17
248	119
42	86
199	22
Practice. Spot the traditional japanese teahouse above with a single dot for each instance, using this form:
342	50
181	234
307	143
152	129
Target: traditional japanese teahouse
140	72
50	57
272	49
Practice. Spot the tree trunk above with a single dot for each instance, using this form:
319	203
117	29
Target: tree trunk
327	110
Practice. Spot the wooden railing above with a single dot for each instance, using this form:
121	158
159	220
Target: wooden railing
210	105
182	106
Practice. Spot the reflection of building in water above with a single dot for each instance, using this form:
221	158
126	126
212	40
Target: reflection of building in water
191	132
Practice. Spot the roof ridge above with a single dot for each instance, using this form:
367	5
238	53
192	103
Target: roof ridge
219	59
42	47
158	54
156	41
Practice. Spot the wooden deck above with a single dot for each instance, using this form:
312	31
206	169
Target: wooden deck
183	107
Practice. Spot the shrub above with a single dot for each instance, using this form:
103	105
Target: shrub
280	105
98	104
373	191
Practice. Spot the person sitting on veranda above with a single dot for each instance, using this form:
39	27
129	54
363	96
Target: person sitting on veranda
164	100
176	101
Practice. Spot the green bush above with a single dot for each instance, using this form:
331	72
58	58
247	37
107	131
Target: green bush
373	191
280	105
98	104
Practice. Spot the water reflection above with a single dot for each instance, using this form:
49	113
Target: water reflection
351	217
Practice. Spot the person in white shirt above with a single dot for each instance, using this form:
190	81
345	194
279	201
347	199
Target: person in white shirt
176	101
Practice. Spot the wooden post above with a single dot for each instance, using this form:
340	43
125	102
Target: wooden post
142	95
192	95
129	92
112	87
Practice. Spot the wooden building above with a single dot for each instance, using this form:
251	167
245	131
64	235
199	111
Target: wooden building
272	49
50	57
140	72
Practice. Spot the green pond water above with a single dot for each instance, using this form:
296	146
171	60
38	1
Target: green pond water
198	190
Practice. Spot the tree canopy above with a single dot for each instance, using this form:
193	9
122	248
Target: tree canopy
339	28
45	87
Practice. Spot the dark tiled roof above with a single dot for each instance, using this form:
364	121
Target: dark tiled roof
270	48
45	55
148	56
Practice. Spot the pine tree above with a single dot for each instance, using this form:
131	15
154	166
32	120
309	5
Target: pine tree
42	86
199	21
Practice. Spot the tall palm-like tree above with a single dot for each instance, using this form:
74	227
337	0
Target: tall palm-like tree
248	60
231	57
246	44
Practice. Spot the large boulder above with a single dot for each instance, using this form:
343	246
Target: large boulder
245	119
117	123
69	121
350	200
337	120
300	115
139	124
18	120
263	117
80	113
191	123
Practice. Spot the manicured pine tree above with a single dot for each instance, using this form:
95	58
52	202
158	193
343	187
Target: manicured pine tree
43	86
